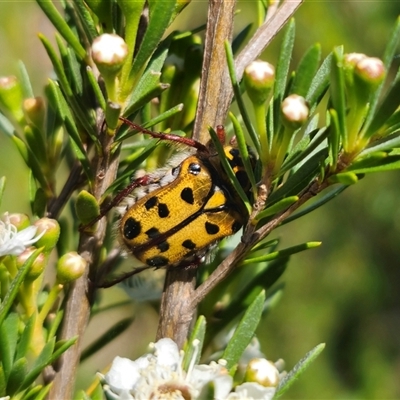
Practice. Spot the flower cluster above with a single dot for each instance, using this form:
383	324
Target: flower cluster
160	375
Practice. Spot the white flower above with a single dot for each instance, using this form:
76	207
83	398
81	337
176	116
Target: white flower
252	391
160	375
13	242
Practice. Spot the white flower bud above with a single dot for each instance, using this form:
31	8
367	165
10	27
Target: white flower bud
109	50
263	372
294	110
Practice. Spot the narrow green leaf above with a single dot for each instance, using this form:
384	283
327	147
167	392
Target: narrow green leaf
57	65
149	82
6	126
239	100
96	88
25	81
62	27
31	161
8	342
320	83
159	20
36	143
281	253
299	368
301	178
42	393
70	66
306	70
3	381
17	375
282	68
26	338
86	19
46	360
195	343
301	152
345	178
244	332
384	144
337	89
277	207
388	106
132	11
375	164
330	195
106	337
244	150
33	393
15	284
57	101
334	139
2	187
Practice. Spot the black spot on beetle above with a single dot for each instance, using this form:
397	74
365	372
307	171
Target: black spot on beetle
211	229
187	195
152	233
163	246
163	210
188	244
150	203
243	178
236	226
132	228
157	261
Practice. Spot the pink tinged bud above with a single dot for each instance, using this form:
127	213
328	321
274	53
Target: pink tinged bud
50	229
109	50
70	267
295	110
38	265
20	221
370	69
262	371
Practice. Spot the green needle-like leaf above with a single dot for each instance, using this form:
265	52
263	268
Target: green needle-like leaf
282	253
62	27
299	368
15	285
244	332
195	343
306	70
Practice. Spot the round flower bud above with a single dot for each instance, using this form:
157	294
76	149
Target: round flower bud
51	230
20	221
259	76
371	70
70	267
294	111
109	52
35	110
263	372
37	266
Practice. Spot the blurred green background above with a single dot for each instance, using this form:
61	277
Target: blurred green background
345	293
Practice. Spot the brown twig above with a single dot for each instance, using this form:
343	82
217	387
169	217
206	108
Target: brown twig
80	295
175	315
180	299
